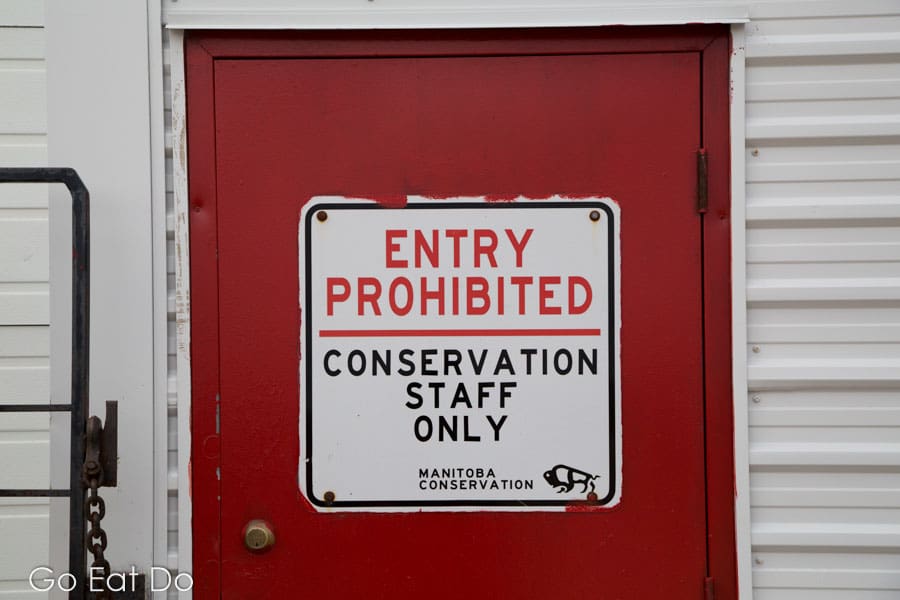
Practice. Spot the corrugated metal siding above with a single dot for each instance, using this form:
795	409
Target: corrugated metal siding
24	297
823	287
823	210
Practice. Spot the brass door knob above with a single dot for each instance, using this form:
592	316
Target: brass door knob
258	536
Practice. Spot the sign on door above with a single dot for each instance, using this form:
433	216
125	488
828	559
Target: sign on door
459	354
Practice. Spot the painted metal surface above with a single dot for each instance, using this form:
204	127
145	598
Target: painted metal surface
823	284
22	13
115	120
224	223
179	544
24	299
739	315
443	14
808	54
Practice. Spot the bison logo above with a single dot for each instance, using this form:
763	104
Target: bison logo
565	479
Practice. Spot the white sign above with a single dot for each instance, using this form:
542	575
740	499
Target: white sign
459	354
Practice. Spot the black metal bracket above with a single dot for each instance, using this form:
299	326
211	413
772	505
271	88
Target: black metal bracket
109	445
101	450
80	404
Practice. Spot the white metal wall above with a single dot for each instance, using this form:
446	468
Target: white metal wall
100	122
823	287
24	296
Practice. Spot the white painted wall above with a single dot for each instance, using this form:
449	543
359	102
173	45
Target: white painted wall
24	296
823	286
99	122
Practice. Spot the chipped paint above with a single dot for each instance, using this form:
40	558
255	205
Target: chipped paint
182	299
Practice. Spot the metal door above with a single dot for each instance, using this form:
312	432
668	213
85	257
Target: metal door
275	119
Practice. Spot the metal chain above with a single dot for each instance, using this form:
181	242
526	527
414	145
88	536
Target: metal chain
95	508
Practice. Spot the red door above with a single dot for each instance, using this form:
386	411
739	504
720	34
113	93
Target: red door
274	120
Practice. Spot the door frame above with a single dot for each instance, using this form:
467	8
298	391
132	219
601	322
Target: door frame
712	42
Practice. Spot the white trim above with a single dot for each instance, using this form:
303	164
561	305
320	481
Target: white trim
103	131
739	315
182	305
160	325
280	15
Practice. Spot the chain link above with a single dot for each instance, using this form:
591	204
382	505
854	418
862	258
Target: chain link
94	511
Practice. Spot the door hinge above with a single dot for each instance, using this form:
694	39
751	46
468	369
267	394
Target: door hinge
702	182
709	589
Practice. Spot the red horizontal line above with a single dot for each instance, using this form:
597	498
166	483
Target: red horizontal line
338	333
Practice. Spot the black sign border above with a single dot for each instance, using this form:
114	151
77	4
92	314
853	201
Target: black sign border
444	205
